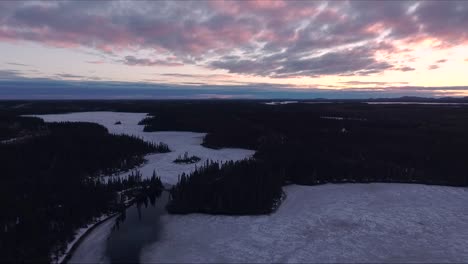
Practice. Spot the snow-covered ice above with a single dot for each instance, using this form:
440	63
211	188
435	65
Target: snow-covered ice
78	234
338	223
281	102
93	247
162	163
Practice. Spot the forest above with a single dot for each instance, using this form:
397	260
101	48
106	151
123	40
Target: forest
229	188
306	143
50	183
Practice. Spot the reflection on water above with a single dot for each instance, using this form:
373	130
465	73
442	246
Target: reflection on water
138	226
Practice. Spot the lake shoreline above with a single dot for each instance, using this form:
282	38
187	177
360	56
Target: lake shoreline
75	244
77	241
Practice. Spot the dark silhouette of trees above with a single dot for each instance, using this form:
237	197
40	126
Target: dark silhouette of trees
187	159
50	185
242	187
12	126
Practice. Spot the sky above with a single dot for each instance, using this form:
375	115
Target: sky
233	49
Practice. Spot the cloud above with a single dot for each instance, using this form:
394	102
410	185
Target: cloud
355	61
185	75
433	67
374	83
17	64
274	38
66	75
441	61
444	20
96	62
133	61
9	74
405	68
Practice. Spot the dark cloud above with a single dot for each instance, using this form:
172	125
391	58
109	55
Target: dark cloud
405	69
356	61
9	74
445	20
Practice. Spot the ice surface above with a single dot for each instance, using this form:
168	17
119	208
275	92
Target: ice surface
281	102
92	249
78	234
329	223
162	163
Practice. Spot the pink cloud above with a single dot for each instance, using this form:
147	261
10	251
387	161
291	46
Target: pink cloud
200	31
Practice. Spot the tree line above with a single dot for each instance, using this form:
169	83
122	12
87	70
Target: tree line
295	144
241	187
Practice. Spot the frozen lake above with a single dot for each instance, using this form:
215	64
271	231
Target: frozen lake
338	223
374	222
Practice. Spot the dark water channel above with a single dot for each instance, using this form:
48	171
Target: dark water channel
139	226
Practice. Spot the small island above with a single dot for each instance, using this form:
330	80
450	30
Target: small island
186	159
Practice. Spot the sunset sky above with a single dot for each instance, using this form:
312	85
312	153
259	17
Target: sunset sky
245	49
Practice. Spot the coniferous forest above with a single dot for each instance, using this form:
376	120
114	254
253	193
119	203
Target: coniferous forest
50	187
50	183
243	187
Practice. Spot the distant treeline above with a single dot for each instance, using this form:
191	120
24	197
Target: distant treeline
12	126
50	184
